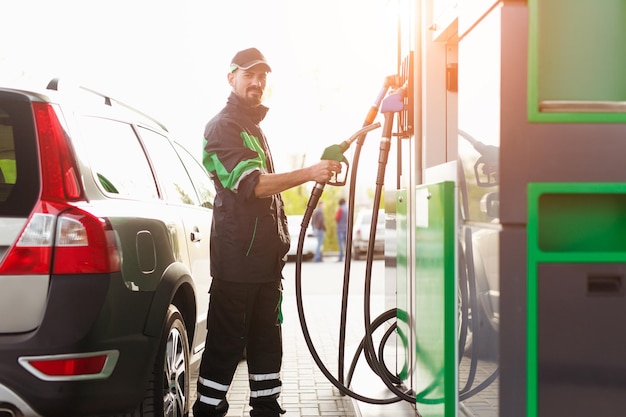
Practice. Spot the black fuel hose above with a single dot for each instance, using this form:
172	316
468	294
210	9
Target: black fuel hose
312	203
390	81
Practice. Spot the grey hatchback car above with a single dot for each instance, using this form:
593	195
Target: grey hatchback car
104	270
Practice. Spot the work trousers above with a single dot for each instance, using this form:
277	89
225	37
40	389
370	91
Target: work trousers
242	316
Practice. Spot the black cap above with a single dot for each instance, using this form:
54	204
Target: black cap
247	59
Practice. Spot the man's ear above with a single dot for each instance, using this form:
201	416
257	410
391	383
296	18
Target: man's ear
231	79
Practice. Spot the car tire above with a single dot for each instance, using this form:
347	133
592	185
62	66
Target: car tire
167	393
171	369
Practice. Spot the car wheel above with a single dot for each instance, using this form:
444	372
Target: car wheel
167	394
173	364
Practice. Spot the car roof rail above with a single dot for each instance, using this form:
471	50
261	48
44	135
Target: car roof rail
54	83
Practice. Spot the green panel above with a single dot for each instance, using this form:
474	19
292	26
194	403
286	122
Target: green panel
568	223
577	61
581	222
402	288
435	300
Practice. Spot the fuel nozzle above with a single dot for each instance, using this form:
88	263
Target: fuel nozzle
336	153
486	166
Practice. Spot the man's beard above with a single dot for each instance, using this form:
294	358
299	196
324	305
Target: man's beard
253	101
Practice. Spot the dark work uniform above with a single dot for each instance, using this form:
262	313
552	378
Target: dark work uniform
249	241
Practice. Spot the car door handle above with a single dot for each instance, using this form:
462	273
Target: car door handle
196	236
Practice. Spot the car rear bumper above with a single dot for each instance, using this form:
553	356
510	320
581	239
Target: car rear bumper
12	405
81	318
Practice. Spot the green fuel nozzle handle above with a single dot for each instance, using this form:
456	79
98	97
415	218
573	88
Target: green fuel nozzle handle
335	153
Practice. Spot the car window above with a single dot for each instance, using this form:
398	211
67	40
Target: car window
8	172
170	171
117	159
200	178
19	168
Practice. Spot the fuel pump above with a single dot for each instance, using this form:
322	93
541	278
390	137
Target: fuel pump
555	281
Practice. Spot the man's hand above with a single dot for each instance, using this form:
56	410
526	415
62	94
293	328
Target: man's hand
324	170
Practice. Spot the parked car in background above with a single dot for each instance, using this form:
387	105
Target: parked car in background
104	246
361	234
310	241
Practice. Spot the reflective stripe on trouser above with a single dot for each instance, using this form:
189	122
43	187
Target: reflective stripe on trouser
265	385
211	392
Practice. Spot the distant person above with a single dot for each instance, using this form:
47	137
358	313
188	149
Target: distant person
341	219
249	243
319	229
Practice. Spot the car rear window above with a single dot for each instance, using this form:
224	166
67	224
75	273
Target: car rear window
19	162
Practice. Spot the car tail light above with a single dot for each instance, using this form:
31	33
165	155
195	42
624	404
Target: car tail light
63	240
84	244
71	366
59	173
59	237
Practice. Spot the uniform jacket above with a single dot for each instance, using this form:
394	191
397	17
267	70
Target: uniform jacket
249	235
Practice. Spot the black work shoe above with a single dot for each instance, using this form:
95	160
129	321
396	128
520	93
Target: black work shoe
266	409
204	410
265	413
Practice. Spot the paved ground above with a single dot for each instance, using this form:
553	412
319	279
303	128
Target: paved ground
306	391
